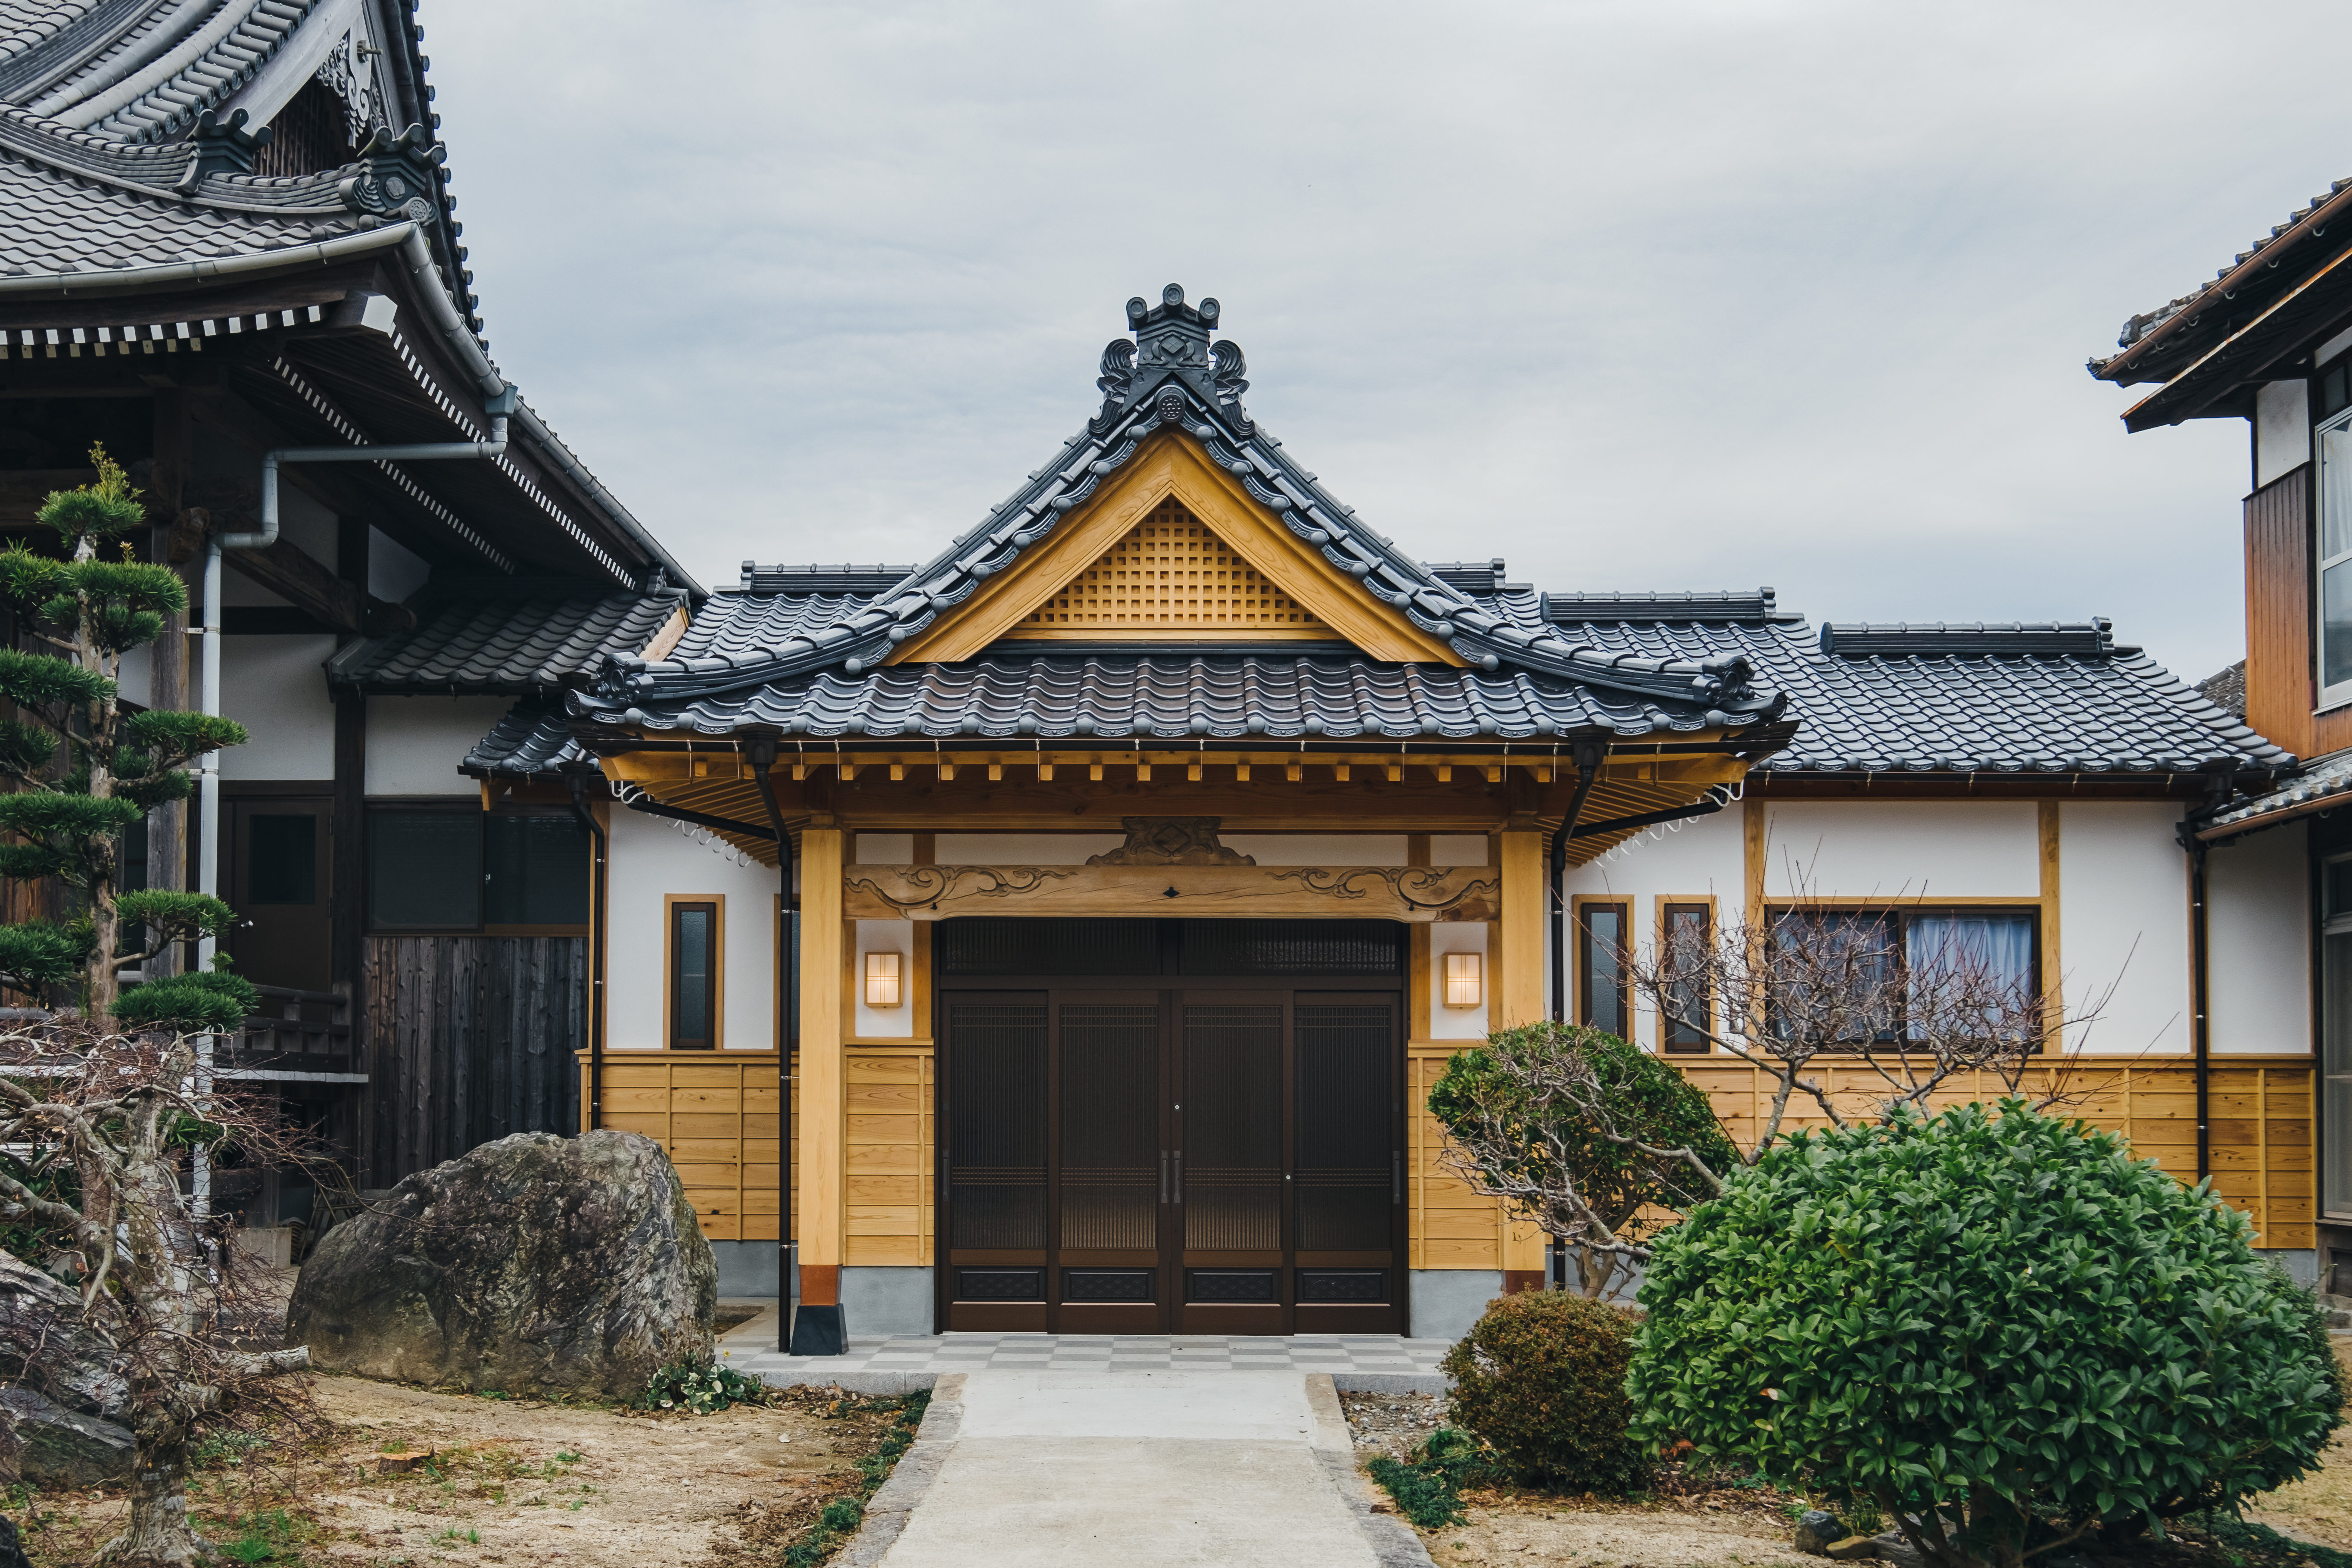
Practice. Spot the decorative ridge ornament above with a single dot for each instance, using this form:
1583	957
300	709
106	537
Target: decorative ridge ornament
1171	841
395	177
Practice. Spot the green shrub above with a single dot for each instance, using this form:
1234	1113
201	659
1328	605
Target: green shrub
683	1385
2000	1325
1541	1380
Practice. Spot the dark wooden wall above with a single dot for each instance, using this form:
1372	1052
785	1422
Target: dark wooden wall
468	1038
2278	618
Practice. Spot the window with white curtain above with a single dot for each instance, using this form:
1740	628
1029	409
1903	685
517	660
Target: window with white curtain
1981	960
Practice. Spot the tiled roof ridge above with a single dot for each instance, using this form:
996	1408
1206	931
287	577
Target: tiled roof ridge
2143	329
1695	604
2092	639
1169	375
816	579
375	184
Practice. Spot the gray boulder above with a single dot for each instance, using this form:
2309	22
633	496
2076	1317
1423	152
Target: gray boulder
535	1264
44	1345
63	1448
1816	1530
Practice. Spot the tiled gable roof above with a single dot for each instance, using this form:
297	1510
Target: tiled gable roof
1170	376
504	635
531	739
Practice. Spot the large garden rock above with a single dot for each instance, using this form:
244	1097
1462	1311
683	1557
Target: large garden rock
59	1448
44	1346
535	1264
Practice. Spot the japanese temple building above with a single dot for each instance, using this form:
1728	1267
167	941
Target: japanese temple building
1154	844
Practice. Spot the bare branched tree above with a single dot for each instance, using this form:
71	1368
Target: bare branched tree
1602	1144
100	1128
1912	999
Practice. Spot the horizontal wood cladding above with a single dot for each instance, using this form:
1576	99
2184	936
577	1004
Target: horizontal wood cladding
2279	682
715	1114
468	1040
2259	1121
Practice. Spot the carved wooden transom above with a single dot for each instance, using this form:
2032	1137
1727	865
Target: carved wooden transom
1171	576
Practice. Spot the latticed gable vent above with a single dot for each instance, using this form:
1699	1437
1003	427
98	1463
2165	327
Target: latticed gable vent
1172	575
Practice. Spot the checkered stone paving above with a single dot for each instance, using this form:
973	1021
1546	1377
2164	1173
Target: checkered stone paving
1370	1363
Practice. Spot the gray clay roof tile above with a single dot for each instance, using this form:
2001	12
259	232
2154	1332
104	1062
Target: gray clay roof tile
504	635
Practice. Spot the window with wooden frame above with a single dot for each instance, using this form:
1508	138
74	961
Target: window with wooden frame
1888	975
1602	927
695	965
2331	597
1687	948
2336	1036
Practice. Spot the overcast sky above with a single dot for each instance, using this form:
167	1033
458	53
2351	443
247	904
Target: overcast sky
1654	295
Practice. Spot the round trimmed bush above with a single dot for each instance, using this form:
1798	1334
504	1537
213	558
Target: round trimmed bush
1997	1323
1541	1381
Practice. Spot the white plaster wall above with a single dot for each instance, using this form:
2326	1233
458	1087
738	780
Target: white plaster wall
394	572
1457	849
1455	1023
2124	923
650	860
884	848
2282	428
1910	850
1319	848
274	688
414	743
1023	848
2258	932
136	676
885	936
1707	858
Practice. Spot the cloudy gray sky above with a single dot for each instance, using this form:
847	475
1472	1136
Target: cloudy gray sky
1653	295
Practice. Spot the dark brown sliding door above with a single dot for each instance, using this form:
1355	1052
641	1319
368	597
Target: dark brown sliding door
1186	1161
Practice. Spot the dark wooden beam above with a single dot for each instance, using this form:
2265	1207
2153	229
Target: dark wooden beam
285	570
347	869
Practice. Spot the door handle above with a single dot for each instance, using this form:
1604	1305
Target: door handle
1164	1175
1396	1175
1177	1187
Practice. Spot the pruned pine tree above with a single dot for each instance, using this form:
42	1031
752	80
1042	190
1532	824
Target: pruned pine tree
85	770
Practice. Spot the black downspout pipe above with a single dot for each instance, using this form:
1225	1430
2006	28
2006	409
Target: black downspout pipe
594	1109
1587	756
2199	1025
762	756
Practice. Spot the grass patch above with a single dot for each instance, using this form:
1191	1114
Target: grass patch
1428	1487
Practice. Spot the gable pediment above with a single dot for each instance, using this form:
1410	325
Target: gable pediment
1173	548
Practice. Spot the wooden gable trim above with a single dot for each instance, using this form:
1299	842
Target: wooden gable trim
1172	464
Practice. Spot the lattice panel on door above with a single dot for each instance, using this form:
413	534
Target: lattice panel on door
996	1125
1172	574
1232	1127
1111	1126
1345	1148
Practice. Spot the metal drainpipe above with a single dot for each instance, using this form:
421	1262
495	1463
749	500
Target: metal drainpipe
498	406
2199	1035
1587	756
595	1106
761	753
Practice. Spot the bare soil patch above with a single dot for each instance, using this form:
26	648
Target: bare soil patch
508	1481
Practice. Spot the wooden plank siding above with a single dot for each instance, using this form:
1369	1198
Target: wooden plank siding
693	1102
2279	692
467	1039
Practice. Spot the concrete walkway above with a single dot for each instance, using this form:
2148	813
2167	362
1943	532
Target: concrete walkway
1137	1470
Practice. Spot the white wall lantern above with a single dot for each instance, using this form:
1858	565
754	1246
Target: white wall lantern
1465	979
882	980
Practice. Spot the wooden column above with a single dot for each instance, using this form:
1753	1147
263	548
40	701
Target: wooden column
167	825
1518	981
818	1106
